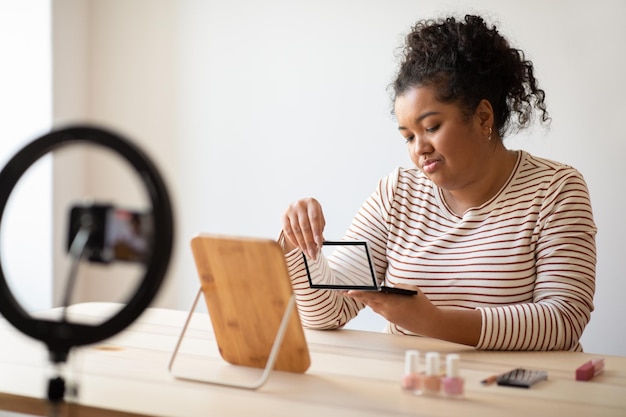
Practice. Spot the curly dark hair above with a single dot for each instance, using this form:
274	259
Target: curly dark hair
466	62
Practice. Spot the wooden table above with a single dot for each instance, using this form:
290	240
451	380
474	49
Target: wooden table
353	373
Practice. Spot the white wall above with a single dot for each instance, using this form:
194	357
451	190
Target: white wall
249	105
25	113
114	66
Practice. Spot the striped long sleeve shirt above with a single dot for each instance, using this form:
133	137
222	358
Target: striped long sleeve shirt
525	259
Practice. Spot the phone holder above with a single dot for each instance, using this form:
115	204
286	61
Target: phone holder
61	336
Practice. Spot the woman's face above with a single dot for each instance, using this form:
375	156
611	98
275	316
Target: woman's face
448	147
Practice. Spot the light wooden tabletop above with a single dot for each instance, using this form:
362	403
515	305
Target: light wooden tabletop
352	373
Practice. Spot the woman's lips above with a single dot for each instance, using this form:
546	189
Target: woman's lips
430	165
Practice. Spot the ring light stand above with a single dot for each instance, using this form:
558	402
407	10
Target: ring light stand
61	336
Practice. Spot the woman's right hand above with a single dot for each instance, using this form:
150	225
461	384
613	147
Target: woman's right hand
303	227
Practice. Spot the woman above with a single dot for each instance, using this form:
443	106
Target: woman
500	244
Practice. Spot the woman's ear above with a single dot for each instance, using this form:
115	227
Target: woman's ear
484	117
484	112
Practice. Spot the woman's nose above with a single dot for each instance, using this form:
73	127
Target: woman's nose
421	145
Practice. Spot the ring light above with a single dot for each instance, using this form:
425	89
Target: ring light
59	336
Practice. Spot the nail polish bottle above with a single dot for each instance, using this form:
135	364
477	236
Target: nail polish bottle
411	380
452	382
431	383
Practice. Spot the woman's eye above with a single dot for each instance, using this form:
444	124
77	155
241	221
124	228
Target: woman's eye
432	129
409	139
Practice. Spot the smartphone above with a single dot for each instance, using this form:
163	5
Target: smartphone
115	234
357	255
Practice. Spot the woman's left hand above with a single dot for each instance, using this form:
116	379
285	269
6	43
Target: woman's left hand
419	315
412	313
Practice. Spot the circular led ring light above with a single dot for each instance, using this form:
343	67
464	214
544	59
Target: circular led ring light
60	337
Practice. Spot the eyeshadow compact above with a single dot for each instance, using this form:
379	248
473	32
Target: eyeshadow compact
521	378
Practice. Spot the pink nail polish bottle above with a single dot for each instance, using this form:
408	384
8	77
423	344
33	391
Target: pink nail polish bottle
431	383
411	380
452	382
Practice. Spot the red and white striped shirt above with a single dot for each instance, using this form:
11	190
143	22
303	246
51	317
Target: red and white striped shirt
526	258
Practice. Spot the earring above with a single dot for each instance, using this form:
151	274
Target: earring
490	132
